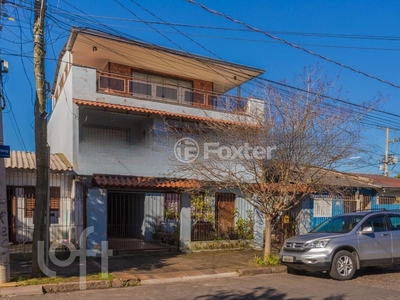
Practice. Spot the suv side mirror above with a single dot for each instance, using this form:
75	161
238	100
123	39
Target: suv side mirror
367	229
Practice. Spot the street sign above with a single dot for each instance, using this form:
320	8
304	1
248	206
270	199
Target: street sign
4	151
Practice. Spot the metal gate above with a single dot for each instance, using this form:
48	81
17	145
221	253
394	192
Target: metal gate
127	221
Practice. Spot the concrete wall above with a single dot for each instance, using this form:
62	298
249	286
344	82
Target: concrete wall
243	208
153	213
60	129
102	147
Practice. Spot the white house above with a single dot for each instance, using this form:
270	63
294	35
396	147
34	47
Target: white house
110	99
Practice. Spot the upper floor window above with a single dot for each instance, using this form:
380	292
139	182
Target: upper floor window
105	136
157	86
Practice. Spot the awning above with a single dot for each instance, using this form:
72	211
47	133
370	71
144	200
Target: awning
139	182
148	111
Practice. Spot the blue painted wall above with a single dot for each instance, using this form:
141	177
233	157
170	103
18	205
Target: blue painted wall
96	217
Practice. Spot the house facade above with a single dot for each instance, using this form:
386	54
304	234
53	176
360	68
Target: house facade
353	192
66	209
111	100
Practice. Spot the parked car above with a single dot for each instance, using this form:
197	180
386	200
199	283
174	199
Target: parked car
345	243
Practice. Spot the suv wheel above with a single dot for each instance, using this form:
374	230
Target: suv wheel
343	266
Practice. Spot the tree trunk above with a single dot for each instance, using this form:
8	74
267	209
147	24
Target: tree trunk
267	246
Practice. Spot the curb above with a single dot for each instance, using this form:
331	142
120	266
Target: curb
8	284
21	291
88	285
258	271
120	282
187	278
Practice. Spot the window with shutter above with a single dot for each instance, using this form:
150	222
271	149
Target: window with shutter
29	195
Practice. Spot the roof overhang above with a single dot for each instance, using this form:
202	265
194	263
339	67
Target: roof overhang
96	49
147	111
21	160
143	183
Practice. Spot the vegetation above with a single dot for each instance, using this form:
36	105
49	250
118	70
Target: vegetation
161	233
202	207
24	281
244	227
270	260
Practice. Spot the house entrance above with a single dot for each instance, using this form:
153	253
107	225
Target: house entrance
125	222
225	210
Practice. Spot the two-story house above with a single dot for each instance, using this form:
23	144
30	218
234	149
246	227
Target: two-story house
111	98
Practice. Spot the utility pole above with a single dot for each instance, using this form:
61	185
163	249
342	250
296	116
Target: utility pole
4	241
42	162
386	162
389	160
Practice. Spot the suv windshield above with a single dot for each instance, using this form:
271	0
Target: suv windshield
338	224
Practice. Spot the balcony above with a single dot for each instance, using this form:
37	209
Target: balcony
167	93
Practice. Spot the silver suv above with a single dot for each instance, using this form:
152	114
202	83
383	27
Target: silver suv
345	243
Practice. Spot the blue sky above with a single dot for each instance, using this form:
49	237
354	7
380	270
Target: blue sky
364	35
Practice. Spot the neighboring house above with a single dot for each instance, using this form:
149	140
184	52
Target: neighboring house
352	192
111	97
65	208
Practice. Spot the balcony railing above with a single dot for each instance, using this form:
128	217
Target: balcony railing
132	87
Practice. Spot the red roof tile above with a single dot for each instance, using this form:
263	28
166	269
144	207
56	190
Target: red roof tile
147	111
383	181
136	182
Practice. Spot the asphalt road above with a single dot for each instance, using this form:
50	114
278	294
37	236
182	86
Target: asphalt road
274	286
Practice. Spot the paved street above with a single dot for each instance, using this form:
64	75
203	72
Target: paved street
276	287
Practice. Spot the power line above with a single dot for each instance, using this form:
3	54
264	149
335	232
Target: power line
312	34
292	44
328	97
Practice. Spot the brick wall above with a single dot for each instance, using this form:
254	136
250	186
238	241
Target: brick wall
119	69
203	85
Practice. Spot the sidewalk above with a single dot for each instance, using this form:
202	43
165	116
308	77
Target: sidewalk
154	267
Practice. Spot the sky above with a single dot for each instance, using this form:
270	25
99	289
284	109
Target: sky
359	39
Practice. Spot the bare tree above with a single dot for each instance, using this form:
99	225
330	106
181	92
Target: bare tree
275	152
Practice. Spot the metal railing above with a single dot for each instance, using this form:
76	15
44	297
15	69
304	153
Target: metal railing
129	86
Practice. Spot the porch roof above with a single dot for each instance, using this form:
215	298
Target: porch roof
139	182
119	107
27	161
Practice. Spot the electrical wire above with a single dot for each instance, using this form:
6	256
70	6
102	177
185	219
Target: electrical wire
293	45
307	34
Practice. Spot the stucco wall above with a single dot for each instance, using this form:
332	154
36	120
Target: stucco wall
101	148
96	218
60	127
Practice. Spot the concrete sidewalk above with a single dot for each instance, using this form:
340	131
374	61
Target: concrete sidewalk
153	267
